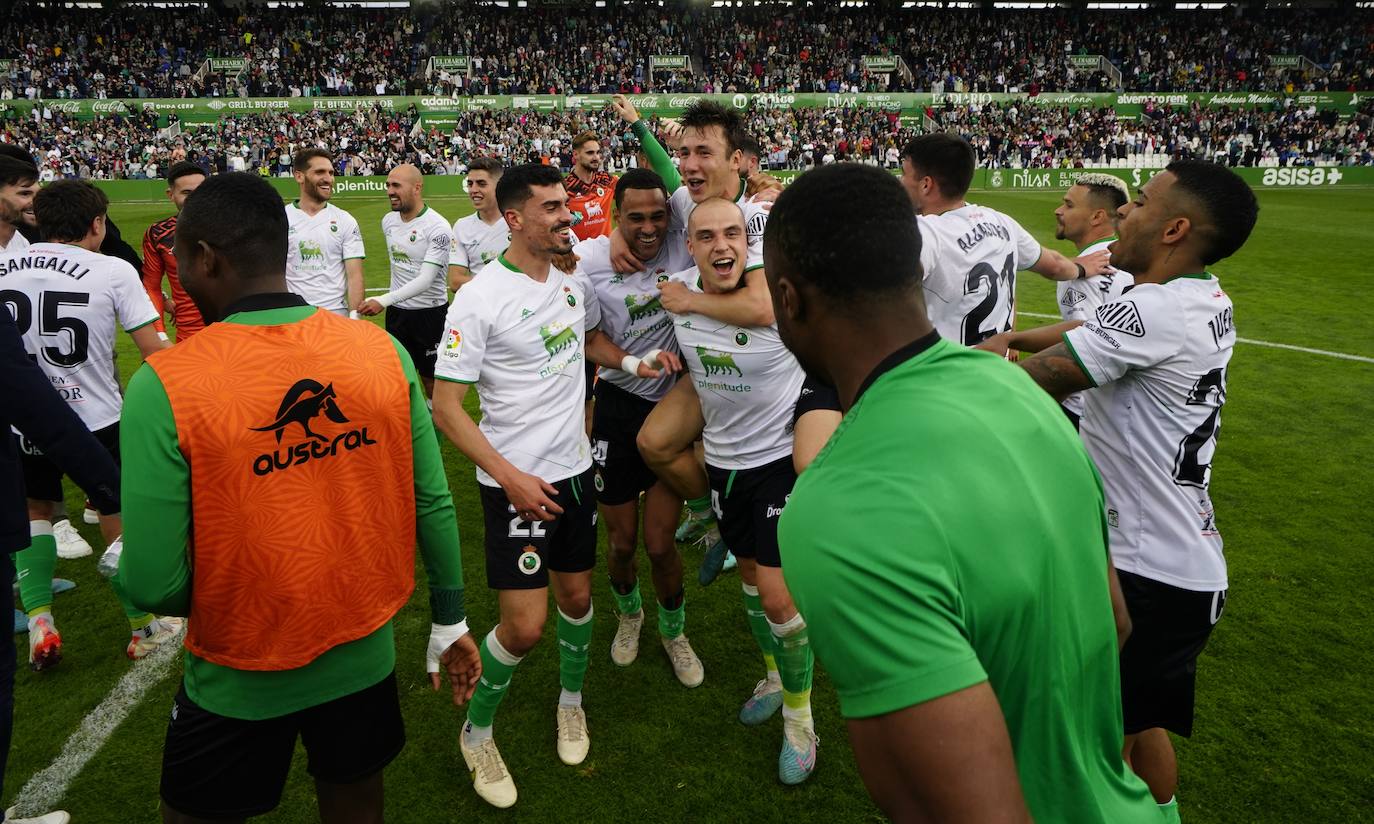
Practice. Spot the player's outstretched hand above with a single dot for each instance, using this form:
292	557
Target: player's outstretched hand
623	261
462	662
624	108
531	497
657	362
566	263
370	307
1098	263
675	297
998	344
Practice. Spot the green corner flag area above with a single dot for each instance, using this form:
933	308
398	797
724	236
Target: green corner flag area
1283	726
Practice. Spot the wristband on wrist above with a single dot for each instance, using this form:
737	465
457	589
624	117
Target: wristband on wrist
651	359
1081	271
630	364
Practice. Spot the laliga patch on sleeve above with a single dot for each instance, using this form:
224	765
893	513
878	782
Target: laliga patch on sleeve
453	344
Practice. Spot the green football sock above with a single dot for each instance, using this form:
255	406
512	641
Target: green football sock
35	566
1170	811
700	506
795	665
628	603
758	625
497	667
672	622
138	619
574	639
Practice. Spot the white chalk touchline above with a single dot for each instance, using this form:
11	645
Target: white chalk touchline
46	788
1270	344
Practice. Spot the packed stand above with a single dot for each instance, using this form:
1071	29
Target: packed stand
139	52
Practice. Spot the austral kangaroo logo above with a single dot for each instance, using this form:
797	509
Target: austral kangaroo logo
305	401
718	363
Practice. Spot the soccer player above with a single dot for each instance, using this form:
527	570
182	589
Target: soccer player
970	633
417	243
66	299
633	316
324	261
1158	357
1087	218
970	253
520	333
590	189
481	237
748	383
711	160
290	602
158	261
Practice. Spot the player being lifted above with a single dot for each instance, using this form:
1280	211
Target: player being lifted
1086	217
1158	356
66	299
590	190
970	254
711	160
520	333
748	383
158	261
417	243
632	315
324	251
481	236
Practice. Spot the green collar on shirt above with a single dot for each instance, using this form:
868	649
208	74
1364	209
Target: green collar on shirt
1095	242
1198	276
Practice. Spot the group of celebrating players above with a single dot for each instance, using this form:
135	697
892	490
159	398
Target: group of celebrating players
722	313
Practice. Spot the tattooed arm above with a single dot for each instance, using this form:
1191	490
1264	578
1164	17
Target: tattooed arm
1057	371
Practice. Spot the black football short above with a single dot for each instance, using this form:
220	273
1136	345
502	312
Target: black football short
748	503
219	767
42	477
520	553
419	331
1169	629
621	473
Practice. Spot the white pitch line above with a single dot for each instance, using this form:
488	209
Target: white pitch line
1290	347
46	788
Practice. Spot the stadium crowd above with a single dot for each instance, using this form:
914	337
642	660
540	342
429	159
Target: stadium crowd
373	140
132	53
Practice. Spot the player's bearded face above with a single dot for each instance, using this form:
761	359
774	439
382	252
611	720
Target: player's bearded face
1141	227
16	203
589	156
546	221
643	221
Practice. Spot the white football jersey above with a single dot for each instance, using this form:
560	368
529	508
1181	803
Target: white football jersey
969	260
475	243
18	243
316	249
1158	356
425	239
632	314
748	384
1080	297
521	343
66	302
680	206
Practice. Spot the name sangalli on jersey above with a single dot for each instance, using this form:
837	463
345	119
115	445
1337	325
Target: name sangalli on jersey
70	268
980	232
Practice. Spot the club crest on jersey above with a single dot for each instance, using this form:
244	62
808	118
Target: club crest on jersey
572	299
742	338
333	226
529	561
413	235
306	400
1121	317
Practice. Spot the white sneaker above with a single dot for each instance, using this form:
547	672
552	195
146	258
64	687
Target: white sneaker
573	741
70	544
625	645
54	817
490	778
90	516
148	639
686	665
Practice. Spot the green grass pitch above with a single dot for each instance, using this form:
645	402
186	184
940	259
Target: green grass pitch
1284	728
